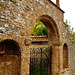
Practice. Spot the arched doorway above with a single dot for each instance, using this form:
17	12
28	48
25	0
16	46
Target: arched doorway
53	42
65	56
10	58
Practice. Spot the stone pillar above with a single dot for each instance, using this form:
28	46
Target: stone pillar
25	58
60	68
55	61
58	3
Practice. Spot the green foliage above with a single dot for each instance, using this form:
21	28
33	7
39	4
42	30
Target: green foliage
39	29
36	70
14	1
72	33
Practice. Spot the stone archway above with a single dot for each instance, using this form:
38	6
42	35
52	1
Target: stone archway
53	34
53	40
10	58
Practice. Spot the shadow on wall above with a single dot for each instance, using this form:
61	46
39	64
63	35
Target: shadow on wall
10	58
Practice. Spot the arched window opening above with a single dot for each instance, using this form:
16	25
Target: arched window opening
11	57
9	47
65	56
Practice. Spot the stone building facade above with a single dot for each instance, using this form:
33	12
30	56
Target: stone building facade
17	18
72	57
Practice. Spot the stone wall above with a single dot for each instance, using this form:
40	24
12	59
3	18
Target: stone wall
17	18
10	64
68	53
72	58
16	22
24	56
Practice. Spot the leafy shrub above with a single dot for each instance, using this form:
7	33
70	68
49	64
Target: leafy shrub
39	29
